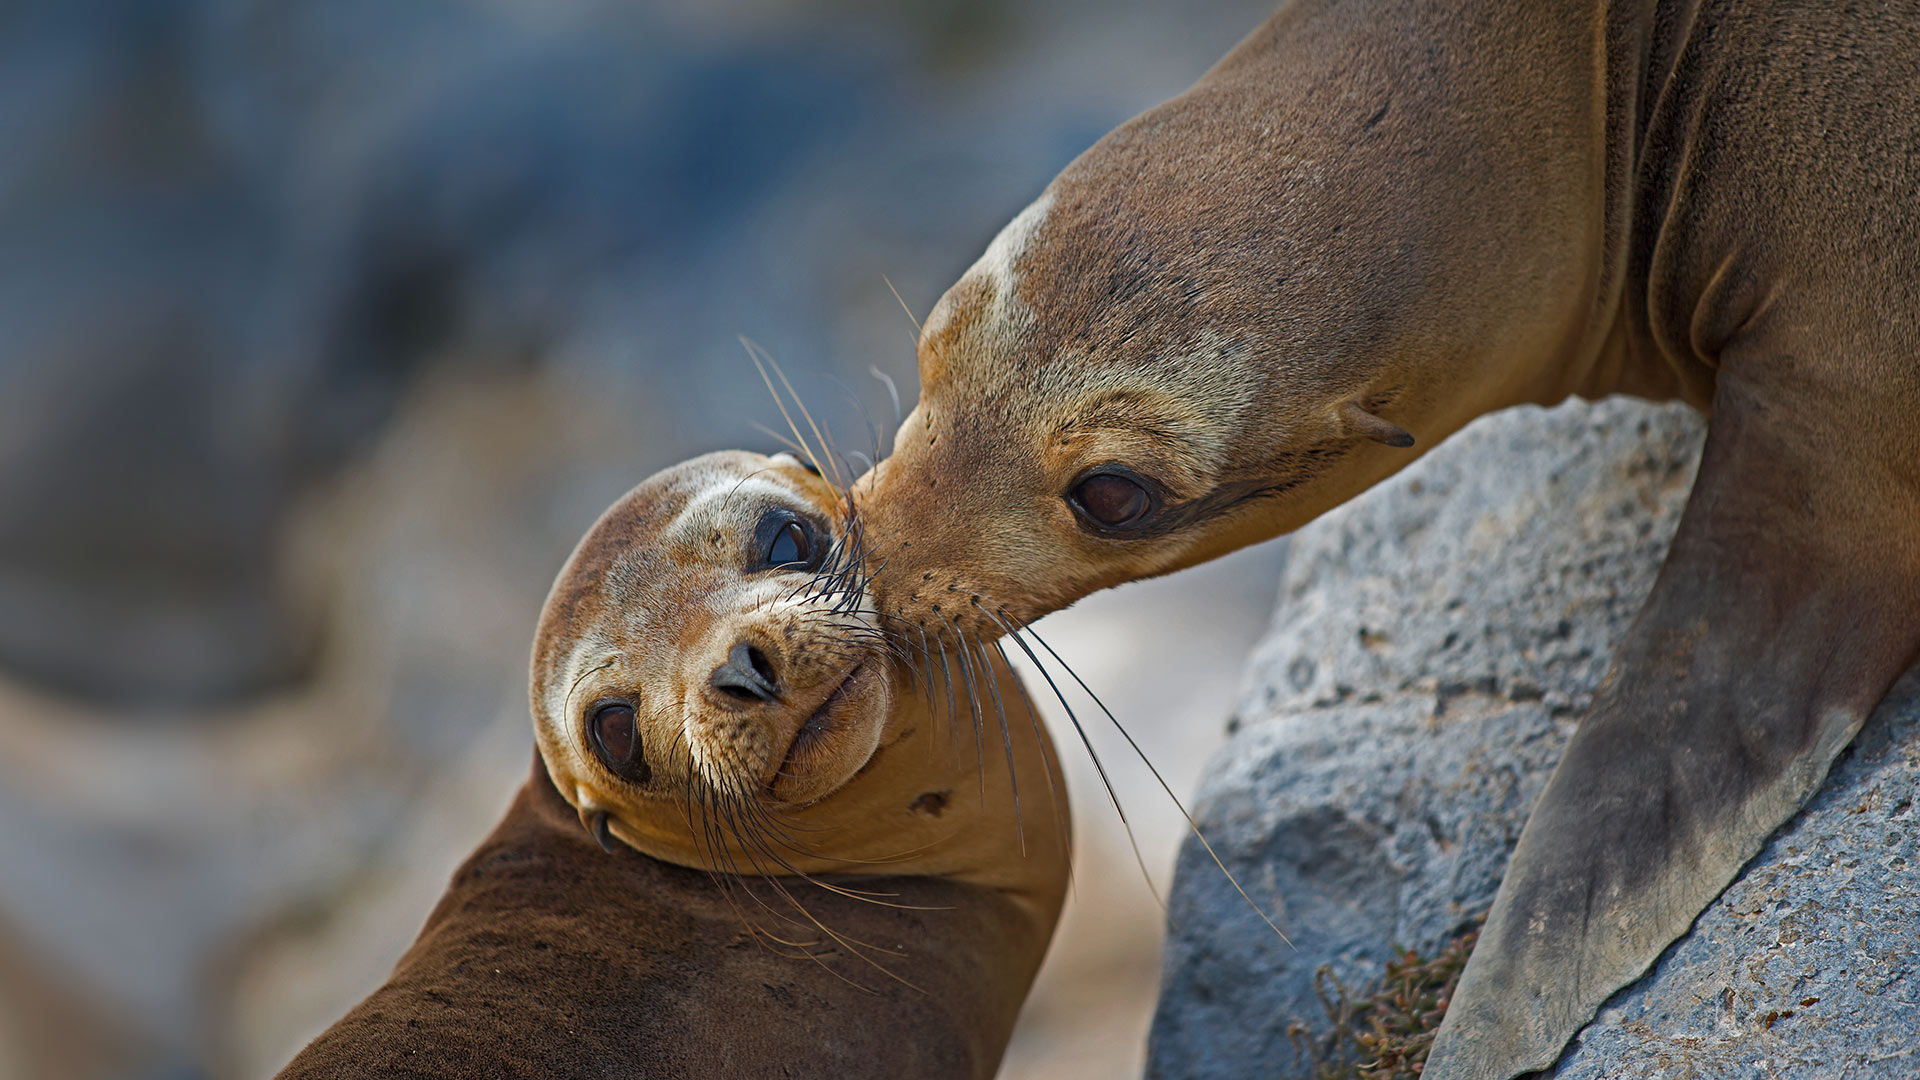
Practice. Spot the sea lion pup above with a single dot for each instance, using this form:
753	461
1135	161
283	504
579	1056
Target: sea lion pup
1371	223
690	702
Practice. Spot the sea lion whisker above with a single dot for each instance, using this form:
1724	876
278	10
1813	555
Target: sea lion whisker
1098	765
753	353
927	685
973	705
727	499
735	875
872	638
859	628
1192	825
815	584
567	700
831	578
853	946
916	331
1006	738
1048	762
893	391
845	552
836	567
843	566
855	559
775	435
826	445
747	832
850	596
726	882
866	417
946	676
868	576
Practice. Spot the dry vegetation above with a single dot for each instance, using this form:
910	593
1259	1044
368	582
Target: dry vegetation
1386	1034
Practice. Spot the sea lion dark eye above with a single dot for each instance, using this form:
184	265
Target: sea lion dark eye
785	541
789	546
1112	499
616	739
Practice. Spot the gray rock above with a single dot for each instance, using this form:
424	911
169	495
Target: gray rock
1436	641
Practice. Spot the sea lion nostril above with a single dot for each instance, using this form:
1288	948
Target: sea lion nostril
747	675
761	666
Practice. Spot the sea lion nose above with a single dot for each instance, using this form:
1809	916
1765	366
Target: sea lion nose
747	675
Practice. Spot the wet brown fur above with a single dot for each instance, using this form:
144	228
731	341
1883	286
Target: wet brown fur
1432	211
548	957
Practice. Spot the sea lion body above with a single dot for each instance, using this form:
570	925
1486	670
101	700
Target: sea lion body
1370	224
547	957
811	868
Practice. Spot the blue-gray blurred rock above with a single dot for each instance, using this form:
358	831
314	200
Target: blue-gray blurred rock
1435	642
232	234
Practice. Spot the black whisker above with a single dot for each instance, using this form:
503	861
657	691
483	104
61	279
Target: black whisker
973	705
1099	766
1006	737
1046	757
1192	825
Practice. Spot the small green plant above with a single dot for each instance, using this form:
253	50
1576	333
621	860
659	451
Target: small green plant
1386	1035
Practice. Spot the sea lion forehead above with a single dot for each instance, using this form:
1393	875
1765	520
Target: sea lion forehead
623	553
984	309
647	523
731	492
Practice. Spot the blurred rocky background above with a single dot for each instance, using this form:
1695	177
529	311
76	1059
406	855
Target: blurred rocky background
327	326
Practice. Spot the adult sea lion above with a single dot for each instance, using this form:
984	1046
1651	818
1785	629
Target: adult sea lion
1371	223
830	876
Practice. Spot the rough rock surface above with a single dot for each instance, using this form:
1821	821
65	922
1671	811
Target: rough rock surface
1435	642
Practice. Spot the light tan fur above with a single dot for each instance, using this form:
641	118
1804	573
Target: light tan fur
649	605
1379	218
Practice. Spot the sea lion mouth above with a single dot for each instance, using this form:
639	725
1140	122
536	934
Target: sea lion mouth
820	721
821	724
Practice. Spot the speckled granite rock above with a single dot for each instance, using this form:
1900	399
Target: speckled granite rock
1435	643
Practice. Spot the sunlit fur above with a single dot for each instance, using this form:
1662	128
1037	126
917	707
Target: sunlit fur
1202	297
888	778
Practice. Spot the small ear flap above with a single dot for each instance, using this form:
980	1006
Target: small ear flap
1361	422
596	823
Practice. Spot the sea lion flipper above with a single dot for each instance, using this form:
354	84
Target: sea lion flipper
1767	640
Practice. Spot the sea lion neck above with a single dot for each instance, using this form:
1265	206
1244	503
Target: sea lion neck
941	796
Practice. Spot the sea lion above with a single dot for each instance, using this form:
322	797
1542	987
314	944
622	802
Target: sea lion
1369	224
812	867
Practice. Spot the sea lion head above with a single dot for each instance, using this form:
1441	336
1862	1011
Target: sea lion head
1120	387
708	687
704	635
1231	314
